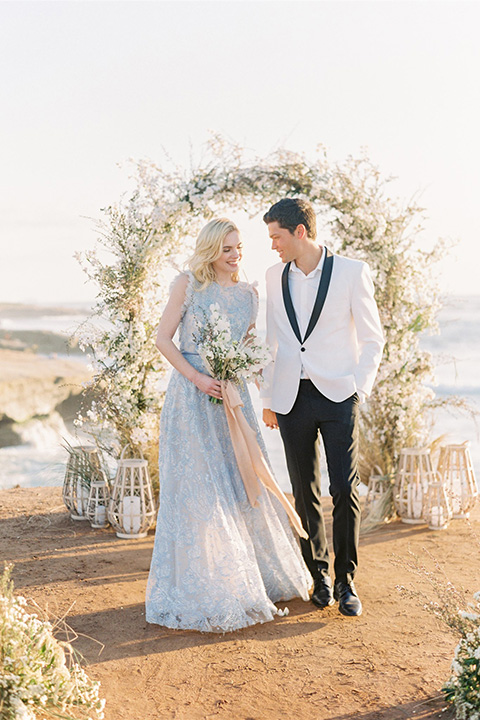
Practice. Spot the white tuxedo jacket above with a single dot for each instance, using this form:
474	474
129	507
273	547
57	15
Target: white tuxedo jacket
342	353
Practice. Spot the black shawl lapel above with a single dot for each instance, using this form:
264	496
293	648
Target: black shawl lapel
287	300
319	300
321	292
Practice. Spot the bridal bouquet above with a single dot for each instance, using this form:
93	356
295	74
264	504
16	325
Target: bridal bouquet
228	359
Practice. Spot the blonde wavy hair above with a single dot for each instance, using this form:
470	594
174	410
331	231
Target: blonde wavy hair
208	248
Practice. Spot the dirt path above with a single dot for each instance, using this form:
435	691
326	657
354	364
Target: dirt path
389	664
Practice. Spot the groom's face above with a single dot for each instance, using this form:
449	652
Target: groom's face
287	244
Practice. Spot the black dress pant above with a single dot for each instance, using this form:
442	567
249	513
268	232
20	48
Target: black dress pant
338	425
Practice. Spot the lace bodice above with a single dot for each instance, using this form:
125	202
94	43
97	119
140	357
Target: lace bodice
239	303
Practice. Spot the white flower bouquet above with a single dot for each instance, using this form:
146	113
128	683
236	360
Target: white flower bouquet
227	359
38	676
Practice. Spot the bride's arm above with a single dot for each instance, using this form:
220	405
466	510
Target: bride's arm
166	330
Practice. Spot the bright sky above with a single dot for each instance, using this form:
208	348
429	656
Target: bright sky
86	85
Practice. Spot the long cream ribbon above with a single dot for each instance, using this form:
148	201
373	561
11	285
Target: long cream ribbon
250	460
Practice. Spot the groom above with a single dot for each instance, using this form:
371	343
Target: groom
325	334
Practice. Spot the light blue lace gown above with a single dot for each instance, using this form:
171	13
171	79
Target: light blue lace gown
218	563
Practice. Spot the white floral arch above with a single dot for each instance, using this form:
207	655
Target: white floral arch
163	215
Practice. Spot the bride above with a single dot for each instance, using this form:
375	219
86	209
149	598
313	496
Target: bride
218	563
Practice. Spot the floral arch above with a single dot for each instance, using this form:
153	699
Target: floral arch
144	232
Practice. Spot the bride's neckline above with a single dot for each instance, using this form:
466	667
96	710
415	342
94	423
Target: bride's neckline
226	287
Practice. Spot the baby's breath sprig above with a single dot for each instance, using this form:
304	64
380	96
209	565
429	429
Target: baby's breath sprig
39	676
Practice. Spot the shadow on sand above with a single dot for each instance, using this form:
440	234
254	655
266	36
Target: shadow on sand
125	633
434	707
55	549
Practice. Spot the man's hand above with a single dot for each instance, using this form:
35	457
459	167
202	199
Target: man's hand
270	419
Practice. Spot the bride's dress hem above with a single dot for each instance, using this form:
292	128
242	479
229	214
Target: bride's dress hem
208	625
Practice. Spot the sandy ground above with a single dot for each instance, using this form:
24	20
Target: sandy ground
389	664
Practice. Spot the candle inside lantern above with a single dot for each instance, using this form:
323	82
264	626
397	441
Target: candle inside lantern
436	516
100	515
131	513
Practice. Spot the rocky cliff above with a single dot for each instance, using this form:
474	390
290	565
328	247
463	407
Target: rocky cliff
36	391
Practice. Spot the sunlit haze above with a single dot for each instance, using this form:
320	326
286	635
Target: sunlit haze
86	85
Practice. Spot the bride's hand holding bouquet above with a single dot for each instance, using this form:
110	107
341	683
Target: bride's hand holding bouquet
229	360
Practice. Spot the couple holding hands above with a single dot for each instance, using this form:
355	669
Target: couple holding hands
219	562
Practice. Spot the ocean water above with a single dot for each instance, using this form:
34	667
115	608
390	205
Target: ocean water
43	461
457	353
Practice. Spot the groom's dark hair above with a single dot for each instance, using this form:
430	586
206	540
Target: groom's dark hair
291	212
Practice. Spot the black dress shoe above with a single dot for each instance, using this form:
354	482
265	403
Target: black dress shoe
322	592
348	600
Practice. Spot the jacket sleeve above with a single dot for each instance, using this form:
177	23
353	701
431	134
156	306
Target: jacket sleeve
369	330
271	339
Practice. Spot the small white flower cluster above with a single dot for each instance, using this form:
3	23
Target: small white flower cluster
463	687
34	672
146	431
229	359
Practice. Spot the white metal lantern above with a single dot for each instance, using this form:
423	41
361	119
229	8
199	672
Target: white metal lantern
131	509
415	473
456	470
437	508
83	468
97	504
